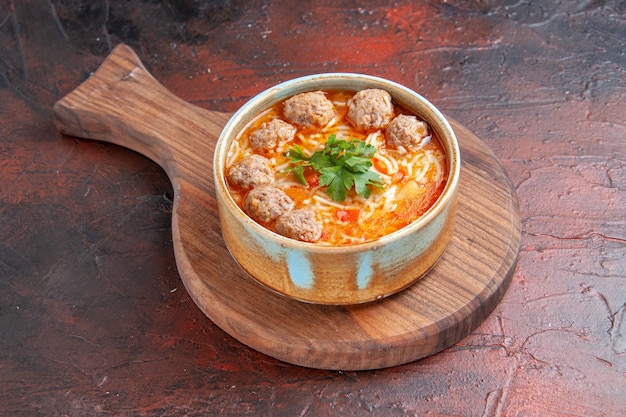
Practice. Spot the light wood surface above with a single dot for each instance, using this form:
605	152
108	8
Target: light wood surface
123	104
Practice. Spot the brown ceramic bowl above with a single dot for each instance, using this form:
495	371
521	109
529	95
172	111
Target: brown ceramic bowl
348	274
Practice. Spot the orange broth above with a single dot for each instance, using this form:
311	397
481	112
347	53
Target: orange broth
412	187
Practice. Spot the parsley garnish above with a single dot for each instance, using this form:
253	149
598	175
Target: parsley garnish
341	165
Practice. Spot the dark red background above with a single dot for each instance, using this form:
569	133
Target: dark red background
94	319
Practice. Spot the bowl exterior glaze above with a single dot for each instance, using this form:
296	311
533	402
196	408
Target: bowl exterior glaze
346	274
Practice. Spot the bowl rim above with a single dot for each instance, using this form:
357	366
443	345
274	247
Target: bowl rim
306	83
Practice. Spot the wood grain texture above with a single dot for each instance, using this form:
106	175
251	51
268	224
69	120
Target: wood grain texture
94	319
123	104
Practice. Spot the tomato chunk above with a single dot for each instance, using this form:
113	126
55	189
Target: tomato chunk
398	177
380	166
313	180
348	215
311	177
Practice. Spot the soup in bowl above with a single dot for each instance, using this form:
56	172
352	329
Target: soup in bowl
337	188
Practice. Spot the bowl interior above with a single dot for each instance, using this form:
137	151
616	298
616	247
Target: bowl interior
407	98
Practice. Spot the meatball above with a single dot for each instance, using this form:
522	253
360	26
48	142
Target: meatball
266	203
309	109
252	171
300	225
271	134
407	133
370	109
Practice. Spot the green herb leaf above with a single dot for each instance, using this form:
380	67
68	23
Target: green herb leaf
364	180
342	165
299	161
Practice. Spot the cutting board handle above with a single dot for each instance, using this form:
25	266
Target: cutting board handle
122	103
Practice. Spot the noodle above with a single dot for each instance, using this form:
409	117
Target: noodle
390	164
326	201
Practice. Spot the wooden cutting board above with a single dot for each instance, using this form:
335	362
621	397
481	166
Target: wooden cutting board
123	104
